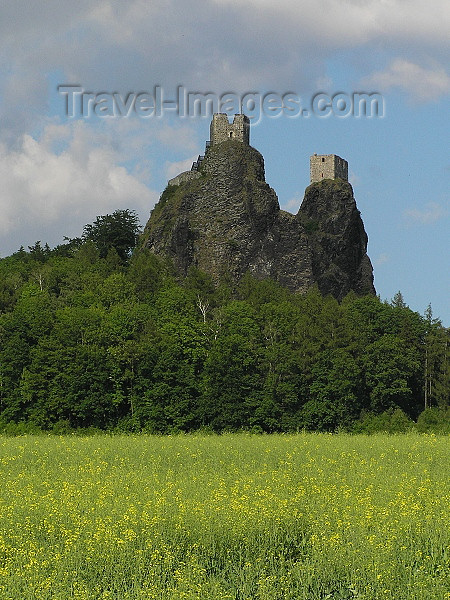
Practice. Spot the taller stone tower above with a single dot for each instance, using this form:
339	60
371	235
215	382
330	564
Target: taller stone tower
222	130
327	166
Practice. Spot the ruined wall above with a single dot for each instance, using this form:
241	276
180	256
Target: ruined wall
222	130
328	166
183	177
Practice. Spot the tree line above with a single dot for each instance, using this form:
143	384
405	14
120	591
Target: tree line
100	333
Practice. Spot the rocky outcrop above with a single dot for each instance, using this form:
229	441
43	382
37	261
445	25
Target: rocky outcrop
228	221
337	239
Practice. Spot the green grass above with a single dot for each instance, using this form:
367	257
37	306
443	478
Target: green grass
299	517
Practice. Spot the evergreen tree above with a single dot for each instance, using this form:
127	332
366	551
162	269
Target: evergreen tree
436	380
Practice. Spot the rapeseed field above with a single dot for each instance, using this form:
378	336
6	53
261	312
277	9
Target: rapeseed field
230	517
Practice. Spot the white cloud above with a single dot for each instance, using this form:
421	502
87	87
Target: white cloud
359	20
431	213
44	191
381	260
325	84
293	204
172	169
423	84
60	173
180	138
354	179
207	45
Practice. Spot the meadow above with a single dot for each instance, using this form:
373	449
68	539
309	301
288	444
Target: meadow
230	517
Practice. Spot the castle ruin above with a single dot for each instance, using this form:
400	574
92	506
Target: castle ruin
322	166
222	130
327	166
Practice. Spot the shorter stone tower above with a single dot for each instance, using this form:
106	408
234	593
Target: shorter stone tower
222	130
327	166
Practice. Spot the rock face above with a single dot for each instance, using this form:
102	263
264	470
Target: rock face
228	221
338	241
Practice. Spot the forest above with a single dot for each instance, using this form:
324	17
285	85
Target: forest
98	333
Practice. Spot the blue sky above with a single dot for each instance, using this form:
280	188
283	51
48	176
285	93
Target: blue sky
58	173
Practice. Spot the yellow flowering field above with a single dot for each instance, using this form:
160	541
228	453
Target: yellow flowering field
301	517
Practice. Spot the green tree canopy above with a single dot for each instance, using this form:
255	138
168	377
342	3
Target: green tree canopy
119	231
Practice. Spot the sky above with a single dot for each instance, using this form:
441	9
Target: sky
58	172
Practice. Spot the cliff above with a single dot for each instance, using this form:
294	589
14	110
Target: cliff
228	221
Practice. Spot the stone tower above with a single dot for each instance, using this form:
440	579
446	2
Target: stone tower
222	130
327	166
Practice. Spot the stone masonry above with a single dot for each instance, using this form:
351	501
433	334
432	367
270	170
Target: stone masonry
183	177
222	130
322	166
328	166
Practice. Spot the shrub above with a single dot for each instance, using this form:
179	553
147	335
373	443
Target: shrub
434	420
390	421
